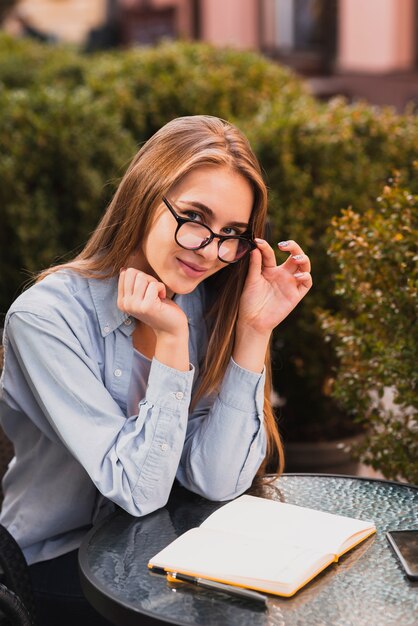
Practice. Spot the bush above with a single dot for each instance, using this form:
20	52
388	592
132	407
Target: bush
319	159
26	63
376	331
152	86
59	152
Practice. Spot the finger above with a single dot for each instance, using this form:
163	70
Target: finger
267	253
153	292
129	282
254	268
290	246
121	284
304	279
140	285
121	280
297	262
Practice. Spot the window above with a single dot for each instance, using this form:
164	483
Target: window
301	33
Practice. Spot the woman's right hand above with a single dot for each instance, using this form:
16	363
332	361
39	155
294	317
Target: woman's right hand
145	298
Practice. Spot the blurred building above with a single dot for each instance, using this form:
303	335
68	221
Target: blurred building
361	48
65	20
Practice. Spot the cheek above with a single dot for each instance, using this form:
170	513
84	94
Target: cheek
159	242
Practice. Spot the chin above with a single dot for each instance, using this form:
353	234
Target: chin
182	289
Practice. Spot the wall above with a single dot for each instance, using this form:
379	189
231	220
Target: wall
230	23
376	35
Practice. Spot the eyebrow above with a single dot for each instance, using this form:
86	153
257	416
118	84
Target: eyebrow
209	213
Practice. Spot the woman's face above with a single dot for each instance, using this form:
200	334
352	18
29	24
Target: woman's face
216	196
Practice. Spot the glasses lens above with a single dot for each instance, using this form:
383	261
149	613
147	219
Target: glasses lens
232	250
192	235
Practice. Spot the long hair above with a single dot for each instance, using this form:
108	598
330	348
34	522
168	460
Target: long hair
178	147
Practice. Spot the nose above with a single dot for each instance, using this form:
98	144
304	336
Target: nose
209	252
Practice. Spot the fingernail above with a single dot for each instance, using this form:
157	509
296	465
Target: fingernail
297	257
283	244
298	274
259	240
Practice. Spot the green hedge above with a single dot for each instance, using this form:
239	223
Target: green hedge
150	86
60	153
26	63
154	85
375	332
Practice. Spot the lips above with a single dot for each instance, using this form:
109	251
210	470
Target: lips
191	269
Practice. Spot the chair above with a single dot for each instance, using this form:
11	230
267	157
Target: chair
6	446
6	455
17	604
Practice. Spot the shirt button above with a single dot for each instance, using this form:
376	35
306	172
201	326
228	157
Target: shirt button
106	329
128	322
164	447
179	395
118	373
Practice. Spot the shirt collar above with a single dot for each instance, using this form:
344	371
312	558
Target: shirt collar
104	293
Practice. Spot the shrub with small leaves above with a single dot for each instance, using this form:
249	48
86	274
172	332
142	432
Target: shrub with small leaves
320	158
376	331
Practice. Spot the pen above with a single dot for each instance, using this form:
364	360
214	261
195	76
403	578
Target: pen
214	585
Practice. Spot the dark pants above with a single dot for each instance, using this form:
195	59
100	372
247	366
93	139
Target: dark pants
58	594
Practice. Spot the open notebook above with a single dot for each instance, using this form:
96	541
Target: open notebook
262	544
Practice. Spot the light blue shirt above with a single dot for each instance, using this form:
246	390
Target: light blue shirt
78	453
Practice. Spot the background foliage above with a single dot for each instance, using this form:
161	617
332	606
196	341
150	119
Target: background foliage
71	122
376	331
60	150
318	160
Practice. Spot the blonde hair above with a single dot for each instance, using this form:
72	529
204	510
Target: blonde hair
178	147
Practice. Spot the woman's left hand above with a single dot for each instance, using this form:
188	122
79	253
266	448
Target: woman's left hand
272	291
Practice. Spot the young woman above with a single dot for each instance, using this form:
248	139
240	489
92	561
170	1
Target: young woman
146	358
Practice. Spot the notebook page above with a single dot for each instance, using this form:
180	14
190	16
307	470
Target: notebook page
252	516
228	556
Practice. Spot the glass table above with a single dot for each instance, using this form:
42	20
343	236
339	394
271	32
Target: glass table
366	587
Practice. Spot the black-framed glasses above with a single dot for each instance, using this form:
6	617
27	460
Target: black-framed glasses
192	235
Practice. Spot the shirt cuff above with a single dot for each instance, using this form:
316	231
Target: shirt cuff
241	386
168	387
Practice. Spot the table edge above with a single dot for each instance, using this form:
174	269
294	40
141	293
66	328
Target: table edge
99	589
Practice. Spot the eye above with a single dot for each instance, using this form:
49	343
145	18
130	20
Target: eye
231	232
193	216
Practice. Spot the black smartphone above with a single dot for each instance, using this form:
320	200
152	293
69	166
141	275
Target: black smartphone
404	543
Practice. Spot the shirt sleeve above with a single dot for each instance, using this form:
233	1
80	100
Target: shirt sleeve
132	461
226	440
